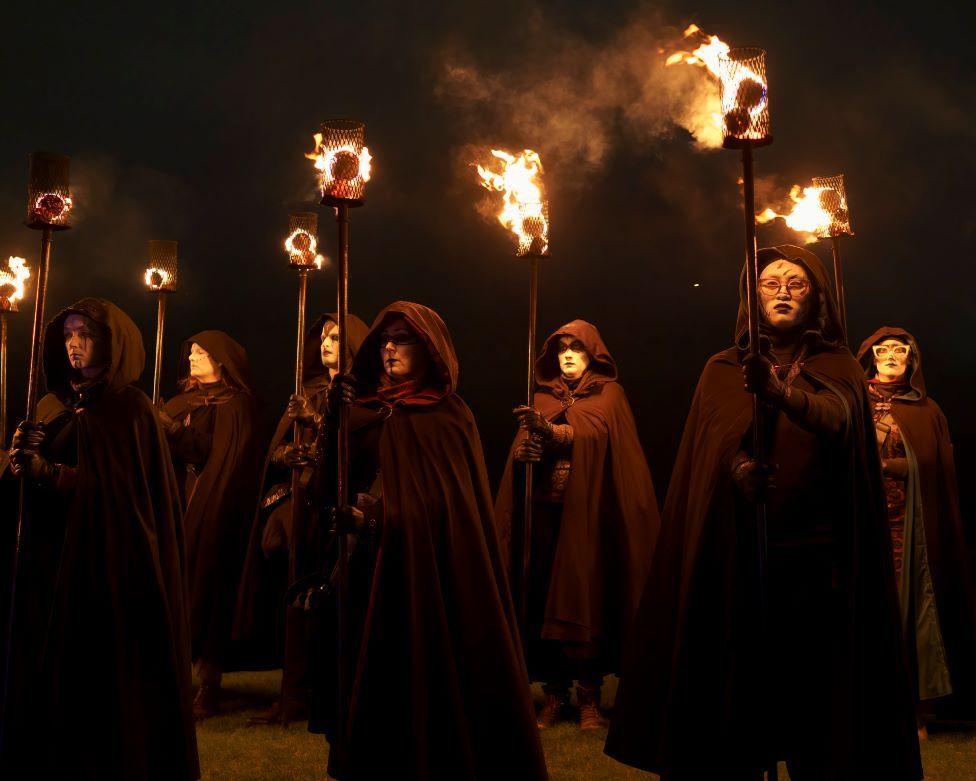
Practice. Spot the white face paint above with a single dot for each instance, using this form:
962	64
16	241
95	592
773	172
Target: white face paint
891	360
203	368
573	357
330	345
785	294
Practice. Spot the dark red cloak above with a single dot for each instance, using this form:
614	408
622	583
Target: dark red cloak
111	699
610	519
690	703
220	506
440	686
932	469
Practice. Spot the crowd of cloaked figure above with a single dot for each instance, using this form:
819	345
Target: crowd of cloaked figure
161	540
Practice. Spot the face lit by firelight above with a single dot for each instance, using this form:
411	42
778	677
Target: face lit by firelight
573	357
785	294
402	351
891	360
203	368
81	345
330	346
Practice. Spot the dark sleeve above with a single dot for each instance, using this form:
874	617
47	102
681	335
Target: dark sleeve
190	445
821	412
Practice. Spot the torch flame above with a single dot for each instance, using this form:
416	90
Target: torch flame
809	214
302	248
343	162
157	278
523	206
12	281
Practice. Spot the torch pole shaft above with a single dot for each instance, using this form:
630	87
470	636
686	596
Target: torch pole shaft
295	567
33	381
839	283
524	550
342	482
758	429
160	330
3	380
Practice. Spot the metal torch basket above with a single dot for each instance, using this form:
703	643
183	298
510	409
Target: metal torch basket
833	200
48	192
745	98
302	242
161	270
343	177
534	236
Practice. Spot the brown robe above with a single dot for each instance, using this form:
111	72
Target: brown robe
109	691
440	686
608	520
937	596
701	693
218	457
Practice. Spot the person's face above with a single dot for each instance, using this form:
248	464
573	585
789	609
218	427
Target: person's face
573	357
403	353
80	344
330	345
891	359
203	368
785	294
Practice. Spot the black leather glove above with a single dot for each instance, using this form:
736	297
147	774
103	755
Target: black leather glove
759	377
169	425
302	412
25	457
529	450
342	390
347	519
752	479
534	422
291	456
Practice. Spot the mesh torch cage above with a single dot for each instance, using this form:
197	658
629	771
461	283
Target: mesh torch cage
833	200
343	162
745	98
48	193
302	242
161	271
533	232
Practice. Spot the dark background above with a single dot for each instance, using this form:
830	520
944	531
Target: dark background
190	124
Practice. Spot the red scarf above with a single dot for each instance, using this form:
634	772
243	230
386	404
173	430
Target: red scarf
409	393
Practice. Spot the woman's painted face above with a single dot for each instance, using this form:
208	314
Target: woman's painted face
402	351
784	294
203	368
891	359
80	343
330	345
573	357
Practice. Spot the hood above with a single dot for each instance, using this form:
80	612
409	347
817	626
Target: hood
825	328
127	354
228	353
313	372
602	368
866	357
427	323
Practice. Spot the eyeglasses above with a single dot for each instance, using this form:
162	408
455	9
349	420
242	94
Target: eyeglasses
795	287
883	350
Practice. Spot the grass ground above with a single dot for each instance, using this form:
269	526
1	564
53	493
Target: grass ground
232	751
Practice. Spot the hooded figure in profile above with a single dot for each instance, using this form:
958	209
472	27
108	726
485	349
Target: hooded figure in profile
107	670
935	583
211	426
595	520
709	692
268	632
439	688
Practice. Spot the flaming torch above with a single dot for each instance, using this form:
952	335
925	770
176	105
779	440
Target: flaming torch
525	212
746	124
160	278
11	292
820	212
343	164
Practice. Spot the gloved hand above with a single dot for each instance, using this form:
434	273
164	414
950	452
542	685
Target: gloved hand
760	378
25	457
301	411
342	390
534	422
529	450
752	479
169	425
347	519
291	456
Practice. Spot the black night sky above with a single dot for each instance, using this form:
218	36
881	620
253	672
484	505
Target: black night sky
190	123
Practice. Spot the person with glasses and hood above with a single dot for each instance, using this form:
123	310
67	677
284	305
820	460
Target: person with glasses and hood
103	691
935	584
711	688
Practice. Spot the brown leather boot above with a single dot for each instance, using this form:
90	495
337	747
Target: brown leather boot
207	701
552	711
589	704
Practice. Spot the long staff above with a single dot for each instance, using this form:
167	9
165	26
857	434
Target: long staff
160	278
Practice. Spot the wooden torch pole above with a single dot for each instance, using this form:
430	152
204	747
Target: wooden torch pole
160	330
839	283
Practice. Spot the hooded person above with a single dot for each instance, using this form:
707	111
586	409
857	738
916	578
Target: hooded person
708	690
439	689
595	519
108	672
932	569
211	426
269	634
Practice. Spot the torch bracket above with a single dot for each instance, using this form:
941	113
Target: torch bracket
352	203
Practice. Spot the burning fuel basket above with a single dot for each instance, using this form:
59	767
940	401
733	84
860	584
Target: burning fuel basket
343	162
302	242
161	270
13	280
48	192
745	98
533	230
833	201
